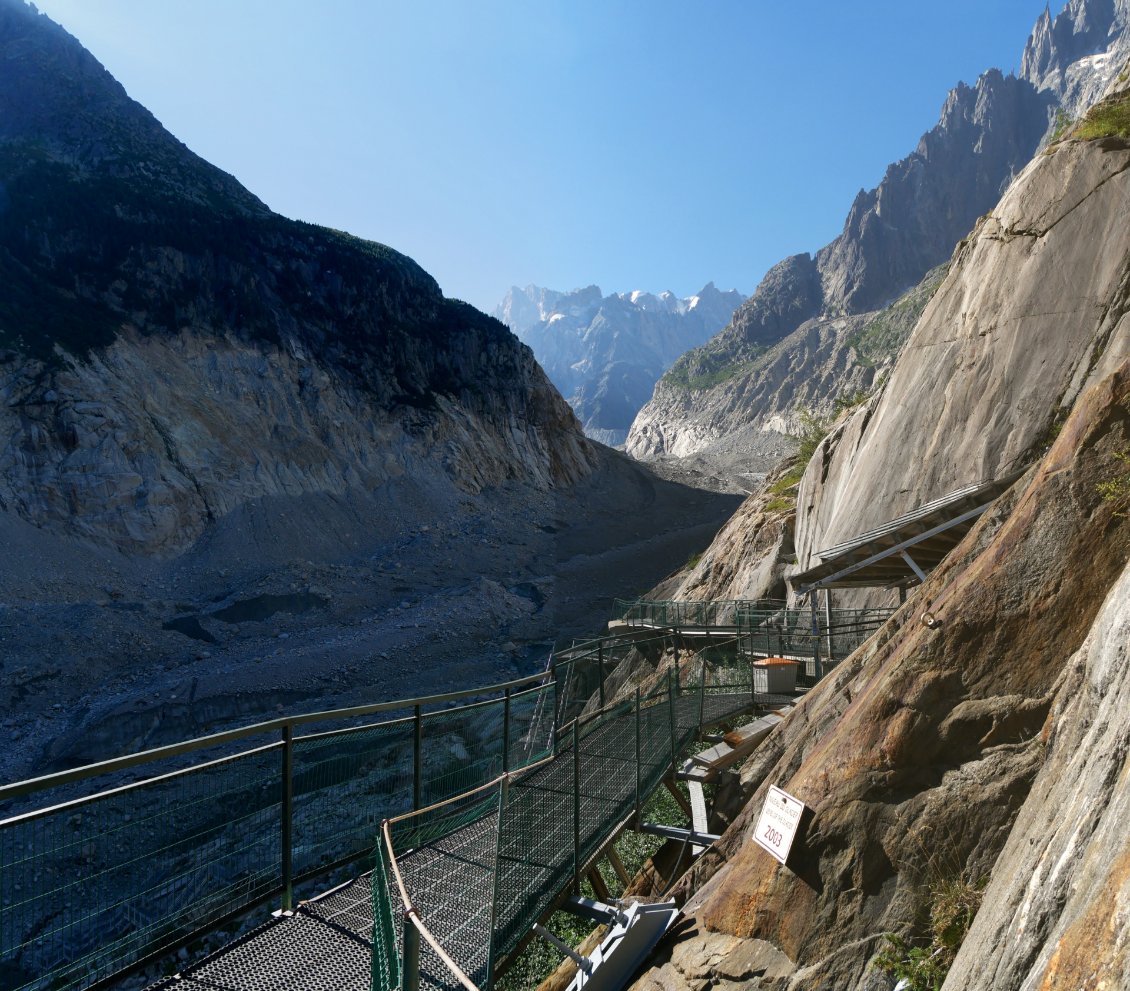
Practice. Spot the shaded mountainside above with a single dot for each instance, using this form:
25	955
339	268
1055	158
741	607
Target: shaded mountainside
893	234
172	348
250	465
605	353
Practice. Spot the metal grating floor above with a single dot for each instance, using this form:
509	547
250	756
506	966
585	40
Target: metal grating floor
326	944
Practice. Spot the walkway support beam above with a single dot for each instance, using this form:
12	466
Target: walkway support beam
410	955
287	838
576	810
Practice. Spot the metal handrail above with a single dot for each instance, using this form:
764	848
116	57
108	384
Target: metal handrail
295	789
57	778
411	915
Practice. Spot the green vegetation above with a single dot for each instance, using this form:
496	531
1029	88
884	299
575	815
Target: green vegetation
924	964
693	560
883	337
849	400
695	371
1108	119
1053	429
1063	122
813	429
538	960
1117	489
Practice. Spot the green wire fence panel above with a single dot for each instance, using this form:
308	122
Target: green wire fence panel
346	784
93	885
386	937
461	748
447	857
689	613
530	726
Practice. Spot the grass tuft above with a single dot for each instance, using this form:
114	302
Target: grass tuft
1108	119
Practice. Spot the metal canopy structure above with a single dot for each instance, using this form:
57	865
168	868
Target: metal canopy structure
901	552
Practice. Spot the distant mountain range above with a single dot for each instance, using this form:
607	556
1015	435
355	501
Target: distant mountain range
605	353
792	346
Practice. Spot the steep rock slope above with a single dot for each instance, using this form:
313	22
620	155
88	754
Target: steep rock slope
173	349
893	234
605	353
1036	306
826	361
916	754
1050	917
919	753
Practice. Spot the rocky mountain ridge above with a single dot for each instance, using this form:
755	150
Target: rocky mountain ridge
291	358
893	234
969	750
605	353
249	463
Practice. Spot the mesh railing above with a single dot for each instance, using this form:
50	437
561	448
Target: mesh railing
478	870
93	884
688	613
814	639
106	867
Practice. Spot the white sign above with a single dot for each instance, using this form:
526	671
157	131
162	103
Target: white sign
776	827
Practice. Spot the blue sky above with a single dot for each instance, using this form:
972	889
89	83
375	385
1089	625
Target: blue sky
642	144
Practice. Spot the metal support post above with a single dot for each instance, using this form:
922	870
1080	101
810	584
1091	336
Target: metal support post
503	792
600	669
564	948
410	955
576	810
674	727
639	769
817	670
506	732
702	693
417	762
287	811
828	624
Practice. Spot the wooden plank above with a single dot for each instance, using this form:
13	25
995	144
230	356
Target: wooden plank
738	744
618	866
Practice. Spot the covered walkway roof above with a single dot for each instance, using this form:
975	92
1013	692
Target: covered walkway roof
904	550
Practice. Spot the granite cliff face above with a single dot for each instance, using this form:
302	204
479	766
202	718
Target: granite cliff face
605	353
893	234
918	754
173	349
1035	308
980	752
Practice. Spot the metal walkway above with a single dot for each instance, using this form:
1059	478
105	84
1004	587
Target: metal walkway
495	813
473	881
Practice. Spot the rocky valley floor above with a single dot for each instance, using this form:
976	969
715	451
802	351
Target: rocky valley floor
316	602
